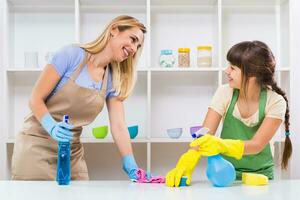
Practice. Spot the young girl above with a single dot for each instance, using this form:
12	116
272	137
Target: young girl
252	107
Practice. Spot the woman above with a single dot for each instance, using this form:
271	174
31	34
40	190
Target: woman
77	83
252	107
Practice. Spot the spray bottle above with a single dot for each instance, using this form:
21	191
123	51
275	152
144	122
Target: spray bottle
63	171
220	172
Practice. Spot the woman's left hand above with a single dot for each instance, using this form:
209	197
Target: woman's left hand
210	145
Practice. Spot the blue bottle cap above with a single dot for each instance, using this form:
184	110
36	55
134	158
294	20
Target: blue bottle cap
166	52
66	118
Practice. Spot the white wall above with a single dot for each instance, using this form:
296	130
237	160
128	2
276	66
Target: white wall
295	98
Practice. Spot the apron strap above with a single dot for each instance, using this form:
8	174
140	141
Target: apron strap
233	101
262	104
104	81
82	64
78	70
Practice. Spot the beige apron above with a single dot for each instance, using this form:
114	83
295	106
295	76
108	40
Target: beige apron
35	152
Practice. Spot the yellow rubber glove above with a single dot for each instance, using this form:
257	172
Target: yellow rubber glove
184	167
210	145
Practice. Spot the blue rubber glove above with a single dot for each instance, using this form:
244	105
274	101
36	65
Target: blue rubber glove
59	131
130	167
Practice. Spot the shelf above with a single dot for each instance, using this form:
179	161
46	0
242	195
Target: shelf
41	5
94	140
179	100
94	18
113	7
142	140
253	2
112	3
283	69
22	70
86	140
10	141
188	69
170	21
157	69
110	140
41	2
171	3
16	70
235	30
171	140
277	69
27	32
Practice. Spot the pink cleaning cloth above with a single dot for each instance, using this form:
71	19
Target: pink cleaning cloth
143	177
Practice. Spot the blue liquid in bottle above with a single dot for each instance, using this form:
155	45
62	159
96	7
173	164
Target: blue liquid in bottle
220	172
63	171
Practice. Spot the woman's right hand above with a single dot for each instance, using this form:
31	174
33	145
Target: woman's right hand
59	131
130	167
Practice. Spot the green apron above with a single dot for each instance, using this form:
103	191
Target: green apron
233	128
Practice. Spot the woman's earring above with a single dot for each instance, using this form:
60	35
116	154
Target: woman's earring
111	35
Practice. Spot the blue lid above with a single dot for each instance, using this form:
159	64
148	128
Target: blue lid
166	52
66	118
183	181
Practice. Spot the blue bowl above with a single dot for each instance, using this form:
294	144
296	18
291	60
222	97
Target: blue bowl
174	132
133	131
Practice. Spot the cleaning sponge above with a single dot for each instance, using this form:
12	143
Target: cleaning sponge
254	179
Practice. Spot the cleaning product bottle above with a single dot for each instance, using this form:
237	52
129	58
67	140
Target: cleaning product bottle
220	172
63	171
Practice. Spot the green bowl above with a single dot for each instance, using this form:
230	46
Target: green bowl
100	132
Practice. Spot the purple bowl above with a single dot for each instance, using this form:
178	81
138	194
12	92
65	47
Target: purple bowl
194	129
198	131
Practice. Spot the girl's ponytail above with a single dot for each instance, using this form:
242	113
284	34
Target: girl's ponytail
287	152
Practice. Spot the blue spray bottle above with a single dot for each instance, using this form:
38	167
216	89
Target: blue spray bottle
220	172
63	171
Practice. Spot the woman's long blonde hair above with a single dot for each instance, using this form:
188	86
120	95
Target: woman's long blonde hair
124	73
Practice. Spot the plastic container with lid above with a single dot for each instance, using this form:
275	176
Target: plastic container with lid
183	57
166	58
204	56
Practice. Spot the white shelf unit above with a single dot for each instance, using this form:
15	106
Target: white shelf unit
163	97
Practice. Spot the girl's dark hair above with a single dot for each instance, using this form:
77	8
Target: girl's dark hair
255	59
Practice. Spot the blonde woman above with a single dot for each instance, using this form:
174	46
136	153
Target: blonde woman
77	82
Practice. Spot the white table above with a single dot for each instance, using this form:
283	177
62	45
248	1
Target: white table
84	190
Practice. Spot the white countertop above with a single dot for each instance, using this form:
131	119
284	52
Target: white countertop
84	190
